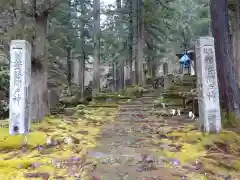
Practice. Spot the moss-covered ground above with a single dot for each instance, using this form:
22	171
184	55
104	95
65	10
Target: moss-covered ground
55	148
101	141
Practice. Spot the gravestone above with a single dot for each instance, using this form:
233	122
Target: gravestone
20	80
208	99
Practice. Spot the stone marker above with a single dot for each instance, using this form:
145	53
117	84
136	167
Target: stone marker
209	109
19	96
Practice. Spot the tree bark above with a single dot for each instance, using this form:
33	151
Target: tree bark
39	70
227	74
122	61
129	78
237	44
96	53
134	44
115	88
69	70
84	56
139	49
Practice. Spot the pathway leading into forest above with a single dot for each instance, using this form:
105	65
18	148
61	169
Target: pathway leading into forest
129	146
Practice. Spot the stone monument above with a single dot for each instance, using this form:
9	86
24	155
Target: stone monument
208	99
20	80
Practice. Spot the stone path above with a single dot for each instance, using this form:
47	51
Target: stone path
126	151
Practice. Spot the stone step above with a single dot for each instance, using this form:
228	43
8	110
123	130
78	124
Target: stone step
127	113
135	109
136	119
148	96
137	105
139	101
144	100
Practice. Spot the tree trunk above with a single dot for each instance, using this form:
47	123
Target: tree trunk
114	77
96	53
135	31
122	61
83	60
149	64
69	70
227	75
154	69
237	44
76	71
129	78
151	60
69	53
209	26
82	75
139	54
117	76
39	70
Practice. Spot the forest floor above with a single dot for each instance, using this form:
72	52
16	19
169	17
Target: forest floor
124	142
141	146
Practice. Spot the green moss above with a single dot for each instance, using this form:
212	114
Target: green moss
193	176
195	145
12	142
83	131
237	165
188	153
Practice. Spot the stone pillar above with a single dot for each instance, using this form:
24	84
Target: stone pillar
209	109
20	80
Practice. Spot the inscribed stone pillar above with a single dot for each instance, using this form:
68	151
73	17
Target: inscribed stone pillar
209	109
20	80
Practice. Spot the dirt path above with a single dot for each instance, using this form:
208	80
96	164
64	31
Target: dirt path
127	151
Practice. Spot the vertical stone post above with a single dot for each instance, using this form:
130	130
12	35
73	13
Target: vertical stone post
20	80
209	108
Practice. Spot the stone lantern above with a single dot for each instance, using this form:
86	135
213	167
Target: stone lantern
187	62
